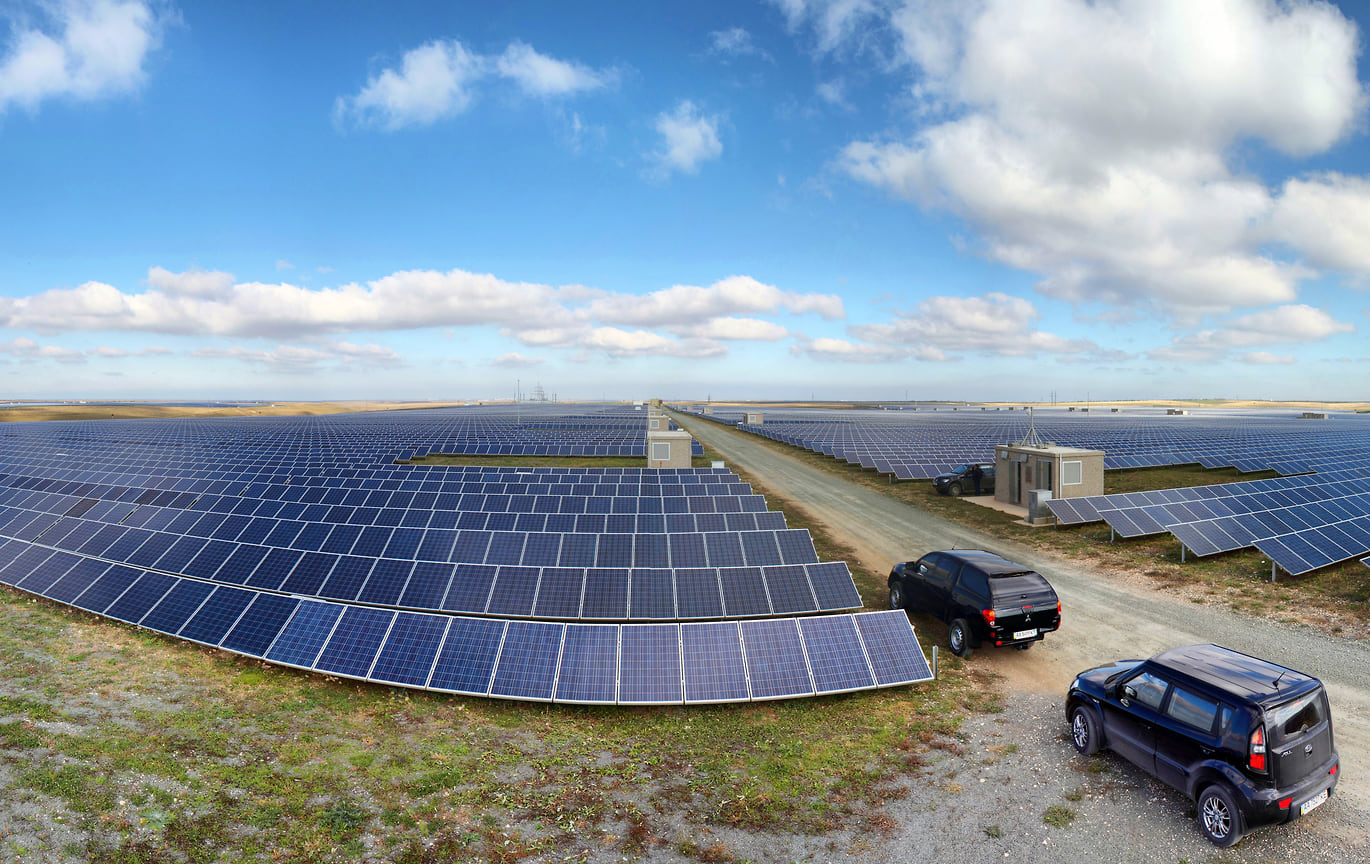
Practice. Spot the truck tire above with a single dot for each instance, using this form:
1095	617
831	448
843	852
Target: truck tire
959	638
897	599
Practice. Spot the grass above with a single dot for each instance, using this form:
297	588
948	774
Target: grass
1333	597
1058	816
29	413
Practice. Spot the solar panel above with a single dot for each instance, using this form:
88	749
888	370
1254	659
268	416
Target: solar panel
351	649
836	658
651	594
892	649
559	593
714	669
175	608
141	597
833	586
260	624
698	594
411	649
220	612
466	663
304	636
606	594
527	665
776	662
649	664
589	665
744	592
789	590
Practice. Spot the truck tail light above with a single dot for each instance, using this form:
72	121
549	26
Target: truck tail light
988	615
1058	608
1256	761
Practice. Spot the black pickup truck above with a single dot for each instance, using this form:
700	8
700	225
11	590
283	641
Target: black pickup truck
985	599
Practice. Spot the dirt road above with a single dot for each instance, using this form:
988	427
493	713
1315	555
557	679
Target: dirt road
1105	617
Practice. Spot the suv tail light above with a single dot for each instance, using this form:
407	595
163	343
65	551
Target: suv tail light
988	615
1256	760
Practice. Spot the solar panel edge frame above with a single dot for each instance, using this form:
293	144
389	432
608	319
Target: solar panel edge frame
333	628
447	628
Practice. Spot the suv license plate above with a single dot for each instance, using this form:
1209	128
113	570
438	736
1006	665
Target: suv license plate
1312	803
1024	634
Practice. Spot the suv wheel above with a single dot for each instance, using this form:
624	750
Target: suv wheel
1219	819
954	489
1084	731
958	636
896	595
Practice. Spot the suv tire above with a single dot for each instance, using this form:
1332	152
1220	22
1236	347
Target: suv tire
954	490
959	638
897	599
1219	818
1084	731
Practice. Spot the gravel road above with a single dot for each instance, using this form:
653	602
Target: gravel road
1031	765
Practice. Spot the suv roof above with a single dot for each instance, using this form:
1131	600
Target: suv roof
1237	673
987	562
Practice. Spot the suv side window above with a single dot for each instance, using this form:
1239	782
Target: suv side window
1148	690
1192	709
973	582
937	573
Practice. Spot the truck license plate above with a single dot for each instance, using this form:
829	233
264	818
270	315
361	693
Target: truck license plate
1312	803
1024	634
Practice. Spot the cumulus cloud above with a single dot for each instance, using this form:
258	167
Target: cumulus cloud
1265	358
845	351
539	75
108	353
1090	142
91	49
439	79
617	343
207	284
992	324
1326	218
688	138
28	350
834	22
690	304
1285	325
734	42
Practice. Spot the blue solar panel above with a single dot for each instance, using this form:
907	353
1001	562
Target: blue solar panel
789	590
171	613
107	588
300	641
260	624
796	547
240	564
606	594
893	650
649	664
466	663
687	550
76	580
589	665
386	582
651	594
217	615
698	594
527	665
277	564
578	550
760	549
346	578
427	585
351	649
714	669
776	662
541	550
35	568
309	574
141	597
833	586
410	650
559	593
836	658
470	589
615	550
515	590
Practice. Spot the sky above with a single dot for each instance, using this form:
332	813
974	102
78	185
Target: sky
786	199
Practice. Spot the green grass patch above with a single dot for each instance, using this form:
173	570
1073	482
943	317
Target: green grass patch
1058	816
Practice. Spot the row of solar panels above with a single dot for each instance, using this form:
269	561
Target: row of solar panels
508	591
648	664
541	549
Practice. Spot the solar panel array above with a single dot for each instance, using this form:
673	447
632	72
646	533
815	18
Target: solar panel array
298	540
928	440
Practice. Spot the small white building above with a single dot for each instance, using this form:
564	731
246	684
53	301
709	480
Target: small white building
1066	472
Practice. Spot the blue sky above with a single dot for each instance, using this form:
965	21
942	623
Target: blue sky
846	199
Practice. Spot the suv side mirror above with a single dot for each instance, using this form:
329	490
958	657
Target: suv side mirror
1129	691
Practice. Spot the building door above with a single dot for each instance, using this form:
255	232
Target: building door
1043	474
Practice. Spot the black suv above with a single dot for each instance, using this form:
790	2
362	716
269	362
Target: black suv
985	599
1249	740
960	482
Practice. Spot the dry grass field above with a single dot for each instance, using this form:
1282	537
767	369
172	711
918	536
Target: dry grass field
144	410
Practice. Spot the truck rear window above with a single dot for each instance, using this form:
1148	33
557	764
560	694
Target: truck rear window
1017	585
1292	719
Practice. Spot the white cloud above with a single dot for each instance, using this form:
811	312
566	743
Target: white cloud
434	81
108	353
735	42
303	359
282	264
826	348
1090	143
28	350
736	329
690	304
206	284
833	92
618	343
1264	358
995	324
439	79
834	22
515	360
95	48
688	138
1284	325
539	75
1327	218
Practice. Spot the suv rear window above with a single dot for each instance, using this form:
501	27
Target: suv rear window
1292	719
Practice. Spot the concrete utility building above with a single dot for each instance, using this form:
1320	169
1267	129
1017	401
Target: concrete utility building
1065	472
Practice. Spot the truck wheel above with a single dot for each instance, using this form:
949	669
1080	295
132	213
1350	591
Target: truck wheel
896	595
958	636
954	490
1084	731
1219	819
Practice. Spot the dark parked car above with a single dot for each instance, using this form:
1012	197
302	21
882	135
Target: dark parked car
1249	740
985	599
959	481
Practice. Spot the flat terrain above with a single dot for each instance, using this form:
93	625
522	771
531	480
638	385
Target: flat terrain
1106	616
142	411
